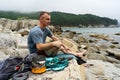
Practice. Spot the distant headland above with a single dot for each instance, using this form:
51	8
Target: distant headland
64	19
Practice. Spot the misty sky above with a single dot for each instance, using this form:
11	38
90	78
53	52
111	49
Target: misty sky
102	8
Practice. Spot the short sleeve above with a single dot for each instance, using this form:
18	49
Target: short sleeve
36	37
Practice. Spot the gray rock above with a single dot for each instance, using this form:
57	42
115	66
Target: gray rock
102	70
115	52
6	40
72	72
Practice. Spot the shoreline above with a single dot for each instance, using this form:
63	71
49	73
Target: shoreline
92	30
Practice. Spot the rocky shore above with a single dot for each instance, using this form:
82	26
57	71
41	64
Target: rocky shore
102	56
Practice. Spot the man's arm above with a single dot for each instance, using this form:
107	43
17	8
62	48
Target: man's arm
46	46
63	48
54	38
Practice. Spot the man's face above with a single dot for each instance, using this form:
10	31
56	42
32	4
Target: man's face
45	19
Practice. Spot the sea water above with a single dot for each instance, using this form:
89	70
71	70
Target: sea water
93	30
107	31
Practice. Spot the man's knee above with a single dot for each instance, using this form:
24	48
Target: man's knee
52	52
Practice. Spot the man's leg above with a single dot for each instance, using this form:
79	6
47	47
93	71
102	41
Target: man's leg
52	52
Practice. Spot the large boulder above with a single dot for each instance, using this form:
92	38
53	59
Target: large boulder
16	25
99	70
24	31
70	44
114	52
72	72
6	41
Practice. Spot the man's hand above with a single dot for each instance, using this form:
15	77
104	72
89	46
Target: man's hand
57	43
64	49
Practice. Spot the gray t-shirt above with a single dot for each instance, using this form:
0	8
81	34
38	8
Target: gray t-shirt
37	35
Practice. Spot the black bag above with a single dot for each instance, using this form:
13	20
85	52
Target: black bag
16	68
7	67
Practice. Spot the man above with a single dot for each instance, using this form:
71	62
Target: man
37	37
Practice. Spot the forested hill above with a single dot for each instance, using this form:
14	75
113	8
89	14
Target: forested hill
63	19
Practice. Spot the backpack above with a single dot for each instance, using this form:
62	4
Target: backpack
7	67
10	66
